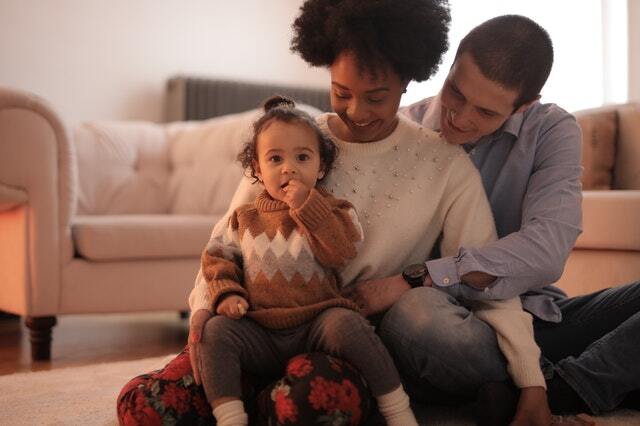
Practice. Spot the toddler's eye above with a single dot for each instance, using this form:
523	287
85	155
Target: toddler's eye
275	159
303	157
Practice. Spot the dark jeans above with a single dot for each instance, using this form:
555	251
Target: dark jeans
596	348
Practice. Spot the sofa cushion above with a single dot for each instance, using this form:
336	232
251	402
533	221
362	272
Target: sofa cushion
627	172
203	154
129	237
123	168
205	172
599	133
610	220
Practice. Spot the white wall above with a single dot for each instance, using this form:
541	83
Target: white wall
111	59
634	50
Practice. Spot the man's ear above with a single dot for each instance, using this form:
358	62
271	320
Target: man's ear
525	106
256	168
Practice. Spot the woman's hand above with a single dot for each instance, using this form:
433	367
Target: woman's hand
233	306
533	408
374	296
196	326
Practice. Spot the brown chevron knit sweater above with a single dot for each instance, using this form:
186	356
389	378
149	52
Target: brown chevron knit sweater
283	261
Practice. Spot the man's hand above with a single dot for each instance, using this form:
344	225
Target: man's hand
196	326
233	306
533	408
374	296
296	193
478	280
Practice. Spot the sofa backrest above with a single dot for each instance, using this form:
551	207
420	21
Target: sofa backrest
610	146
204	169
147	168
123	167
627	172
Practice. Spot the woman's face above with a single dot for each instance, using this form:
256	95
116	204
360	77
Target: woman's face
367	104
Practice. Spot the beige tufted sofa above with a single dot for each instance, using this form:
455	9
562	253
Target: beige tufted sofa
106	217
608	251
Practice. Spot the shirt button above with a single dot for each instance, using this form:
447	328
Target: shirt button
445	281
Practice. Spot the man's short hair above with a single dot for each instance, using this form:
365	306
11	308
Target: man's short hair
511	50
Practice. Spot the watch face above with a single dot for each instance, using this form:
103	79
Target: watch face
415	271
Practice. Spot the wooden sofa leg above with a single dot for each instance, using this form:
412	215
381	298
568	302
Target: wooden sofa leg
40	336
184	314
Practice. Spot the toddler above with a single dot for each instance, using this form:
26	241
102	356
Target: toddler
272	274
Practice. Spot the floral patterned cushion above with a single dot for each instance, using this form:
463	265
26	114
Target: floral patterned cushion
317	389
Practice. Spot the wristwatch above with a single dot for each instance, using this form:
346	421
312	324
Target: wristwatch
415	274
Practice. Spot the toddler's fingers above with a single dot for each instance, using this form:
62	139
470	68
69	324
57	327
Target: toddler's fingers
241	308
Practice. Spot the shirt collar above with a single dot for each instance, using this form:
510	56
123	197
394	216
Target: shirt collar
513	124
431	118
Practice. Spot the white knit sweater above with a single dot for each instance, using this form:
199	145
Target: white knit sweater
407	189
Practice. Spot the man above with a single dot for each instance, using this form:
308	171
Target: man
528	154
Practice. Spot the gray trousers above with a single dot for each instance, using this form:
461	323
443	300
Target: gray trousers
231	346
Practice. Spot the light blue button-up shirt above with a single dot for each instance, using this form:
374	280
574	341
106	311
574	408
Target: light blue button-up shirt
531	170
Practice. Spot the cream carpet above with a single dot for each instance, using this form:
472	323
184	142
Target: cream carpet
69	396
87	396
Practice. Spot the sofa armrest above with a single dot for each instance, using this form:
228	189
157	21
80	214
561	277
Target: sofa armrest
610	220
36	163
11	198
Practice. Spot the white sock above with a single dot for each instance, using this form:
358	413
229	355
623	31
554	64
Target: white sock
231	414
396	409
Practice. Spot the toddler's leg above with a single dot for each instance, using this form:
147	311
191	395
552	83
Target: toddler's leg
229	346
346	334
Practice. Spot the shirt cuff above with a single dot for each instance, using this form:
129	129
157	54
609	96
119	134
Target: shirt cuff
443	271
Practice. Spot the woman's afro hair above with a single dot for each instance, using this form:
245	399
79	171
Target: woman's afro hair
408	35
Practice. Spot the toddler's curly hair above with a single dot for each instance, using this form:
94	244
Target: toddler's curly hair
282	108
408	35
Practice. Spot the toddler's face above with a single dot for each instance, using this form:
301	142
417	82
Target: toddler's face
287	151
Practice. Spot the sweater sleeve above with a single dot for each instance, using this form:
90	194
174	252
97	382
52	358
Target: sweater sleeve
468	219
221	263
331	227
200	297
514	331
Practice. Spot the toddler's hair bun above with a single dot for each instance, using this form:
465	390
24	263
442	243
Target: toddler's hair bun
278	101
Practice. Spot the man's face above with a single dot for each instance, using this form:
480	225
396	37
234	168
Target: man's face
472	105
